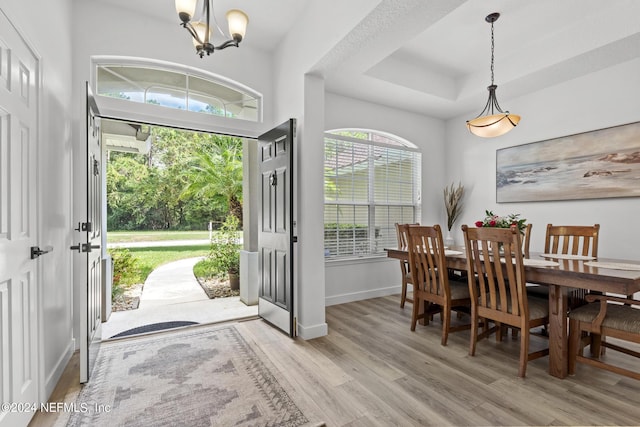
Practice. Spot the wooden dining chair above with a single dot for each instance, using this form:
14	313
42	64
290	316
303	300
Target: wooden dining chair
431	285
572	239
526	240
405	271
604	315
569	240
498	288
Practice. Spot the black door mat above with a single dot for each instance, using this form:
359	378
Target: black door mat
153	327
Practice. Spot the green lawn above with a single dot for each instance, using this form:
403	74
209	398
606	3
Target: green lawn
148	259
153	236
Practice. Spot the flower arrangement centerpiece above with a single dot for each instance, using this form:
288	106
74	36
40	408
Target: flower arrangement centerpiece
511	220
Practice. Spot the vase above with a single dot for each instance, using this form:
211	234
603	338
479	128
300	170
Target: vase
448	241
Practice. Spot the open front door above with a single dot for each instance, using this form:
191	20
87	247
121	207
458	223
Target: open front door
276	227
89	246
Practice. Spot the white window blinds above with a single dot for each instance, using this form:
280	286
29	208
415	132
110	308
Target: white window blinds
371	181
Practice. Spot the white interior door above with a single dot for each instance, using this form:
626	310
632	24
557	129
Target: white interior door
18	229
276	227
89	246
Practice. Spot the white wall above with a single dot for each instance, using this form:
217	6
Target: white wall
602	99
48	32
360	279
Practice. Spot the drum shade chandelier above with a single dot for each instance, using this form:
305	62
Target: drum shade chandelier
492	121
201	31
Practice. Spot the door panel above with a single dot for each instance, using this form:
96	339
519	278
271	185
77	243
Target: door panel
18	230
275	228
91	229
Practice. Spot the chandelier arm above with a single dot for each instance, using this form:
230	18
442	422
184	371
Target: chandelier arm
485	109
215	21
192	31
226	44
496	105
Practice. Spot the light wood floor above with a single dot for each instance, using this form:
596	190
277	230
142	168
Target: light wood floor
371	370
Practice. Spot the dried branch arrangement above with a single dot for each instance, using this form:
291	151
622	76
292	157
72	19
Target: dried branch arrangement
453	203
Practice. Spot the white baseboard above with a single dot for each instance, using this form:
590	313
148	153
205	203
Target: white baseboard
358	296
52	379
311	332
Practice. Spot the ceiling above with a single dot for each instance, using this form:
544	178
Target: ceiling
433	56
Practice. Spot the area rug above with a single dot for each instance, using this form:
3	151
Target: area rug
201	376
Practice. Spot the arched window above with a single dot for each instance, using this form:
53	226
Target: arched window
175	86
371	181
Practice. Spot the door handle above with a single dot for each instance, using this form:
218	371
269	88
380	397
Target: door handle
36	251
84	247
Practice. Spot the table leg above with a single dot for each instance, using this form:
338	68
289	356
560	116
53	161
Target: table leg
558	340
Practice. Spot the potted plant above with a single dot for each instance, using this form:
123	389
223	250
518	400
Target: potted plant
225	251
453	205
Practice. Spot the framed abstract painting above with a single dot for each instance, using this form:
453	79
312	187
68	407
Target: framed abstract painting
591	165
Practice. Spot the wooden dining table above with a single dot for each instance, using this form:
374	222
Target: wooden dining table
569	273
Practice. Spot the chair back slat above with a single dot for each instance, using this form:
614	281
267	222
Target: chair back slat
427	260
572	239
494	258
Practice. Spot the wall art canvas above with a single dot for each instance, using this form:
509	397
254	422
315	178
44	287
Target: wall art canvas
592	165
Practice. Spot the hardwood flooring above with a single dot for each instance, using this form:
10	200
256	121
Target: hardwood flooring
371	370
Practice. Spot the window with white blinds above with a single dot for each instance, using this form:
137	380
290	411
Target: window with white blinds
371	182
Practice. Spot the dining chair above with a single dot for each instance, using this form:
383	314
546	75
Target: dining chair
604	315
569	240
526	240
402	235
498	288
431	285
572	239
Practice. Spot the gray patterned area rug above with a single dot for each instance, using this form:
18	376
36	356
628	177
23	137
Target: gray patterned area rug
204	376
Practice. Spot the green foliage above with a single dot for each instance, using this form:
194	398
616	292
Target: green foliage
224	256
217	175
126	270
204	269
511	220
146	192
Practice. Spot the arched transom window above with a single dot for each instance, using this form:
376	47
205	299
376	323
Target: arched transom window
371	182
184	89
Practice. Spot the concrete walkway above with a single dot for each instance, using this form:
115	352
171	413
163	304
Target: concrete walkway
172	293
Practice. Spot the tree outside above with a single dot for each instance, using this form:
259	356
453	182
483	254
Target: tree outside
185	181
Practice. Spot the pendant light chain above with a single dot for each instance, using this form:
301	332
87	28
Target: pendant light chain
492	47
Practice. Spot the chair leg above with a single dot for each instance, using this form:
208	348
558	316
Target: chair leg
414	311
403	294
524	351
575	336
474	332
445	314
596	345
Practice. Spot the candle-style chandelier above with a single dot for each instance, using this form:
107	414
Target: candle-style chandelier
201	31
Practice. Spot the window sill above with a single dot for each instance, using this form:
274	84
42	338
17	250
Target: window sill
364	259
